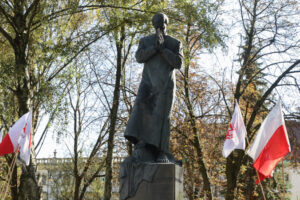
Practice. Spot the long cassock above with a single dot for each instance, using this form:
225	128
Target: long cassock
150	118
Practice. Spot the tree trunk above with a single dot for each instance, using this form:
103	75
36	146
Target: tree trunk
233	166
196	142
29	189
231	176
113	117
203	172
77	187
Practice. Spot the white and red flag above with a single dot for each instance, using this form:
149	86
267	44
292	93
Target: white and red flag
18	138
235	137
270	145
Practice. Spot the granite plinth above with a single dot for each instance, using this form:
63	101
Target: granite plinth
167	184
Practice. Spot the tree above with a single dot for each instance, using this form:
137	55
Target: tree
268	47
197	29
41	39
16	28
86	156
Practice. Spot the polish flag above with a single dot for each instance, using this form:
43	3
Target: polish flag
235	137
18	138
270	145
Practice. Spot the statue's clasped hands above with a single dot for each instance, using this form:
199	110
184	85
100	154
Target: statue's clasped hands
159	40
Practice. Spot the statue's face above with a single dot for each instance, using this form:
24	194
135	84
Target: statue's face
162	24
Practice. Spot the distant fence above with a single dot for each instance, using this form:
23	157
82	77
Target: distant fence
52	161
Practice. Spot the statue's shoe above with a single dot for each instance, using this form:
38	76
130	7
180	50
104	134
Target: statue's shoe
162	158
172	159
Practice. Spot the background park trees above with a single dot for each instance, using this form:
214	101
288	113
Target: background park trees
267	61
73	62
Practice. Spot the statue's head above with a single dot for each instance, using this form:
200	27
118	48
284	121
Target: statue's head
160	21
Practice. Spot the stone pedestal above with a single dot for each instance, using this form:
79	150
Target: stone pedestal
167	184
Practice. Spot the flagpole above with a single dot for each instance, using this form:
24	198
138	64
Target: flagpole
10	175
283	185
261	187
7	177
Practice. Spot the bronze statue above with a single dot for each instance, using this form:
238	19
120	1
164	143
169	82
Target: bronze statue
148	127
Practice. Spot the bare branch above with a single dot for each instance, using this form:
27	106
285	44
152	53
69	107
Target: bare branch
7	36
259	103
80	51
33	6
8	17
223	94
242	16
